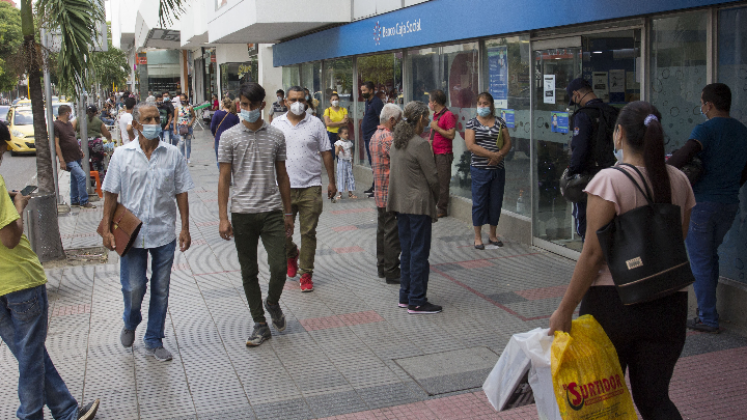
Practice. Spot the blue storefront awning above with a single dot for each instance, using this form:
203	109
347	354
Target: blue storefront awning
439	21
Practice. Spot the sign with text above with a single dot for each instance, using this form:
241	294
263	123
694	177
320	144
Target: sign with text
559	122
509	117
549	88
498	75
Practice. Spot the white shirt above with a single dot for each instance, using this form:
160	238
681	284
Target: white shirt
176	101
150	99
347	147
148	188
304	143
124	120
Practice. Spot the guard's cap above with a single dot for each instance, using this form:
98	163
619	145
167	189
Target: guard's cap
576	84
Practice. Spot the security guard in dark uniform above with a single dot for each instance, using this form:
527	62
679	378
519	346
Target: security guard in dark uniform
583	152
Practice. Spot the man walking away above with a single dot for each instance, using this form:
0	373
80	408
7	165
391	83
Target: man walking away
278	107
387	232
591	146
166	112
443	131
126	133
147	176
721	144
254	153
71	157
24	314
307	145
371	115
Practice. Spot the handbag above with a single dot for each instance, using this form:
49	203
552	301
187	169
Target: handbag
183	130
125	226
572	186
644	249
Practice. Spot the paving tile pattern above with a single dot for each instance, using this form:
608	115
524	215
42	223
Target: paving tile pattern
348	351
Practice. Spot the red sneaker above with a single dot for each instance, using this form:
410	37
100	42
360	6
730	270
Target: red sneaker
306	284
292	267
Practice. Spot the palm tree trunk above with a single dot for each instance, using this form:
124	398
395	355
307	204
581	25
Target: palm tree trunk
49	237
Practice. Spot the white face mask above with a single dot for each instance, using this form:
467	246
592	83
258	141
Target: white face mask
335	103
298	108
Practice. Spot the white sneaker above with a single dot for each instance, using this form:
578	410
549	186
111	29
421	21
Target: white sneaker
189	161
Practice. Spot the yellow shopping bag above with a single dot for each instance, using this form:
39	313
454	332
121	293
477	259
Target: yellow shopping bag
587	378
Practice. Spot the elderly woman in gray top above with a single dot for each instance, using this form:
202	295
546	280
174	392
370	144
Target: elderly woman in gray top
413	194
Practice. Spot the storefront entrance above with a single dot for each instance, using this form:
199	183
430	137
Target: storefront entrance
609	60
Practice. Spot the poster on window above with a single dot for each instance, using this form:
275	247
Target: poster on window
509	117
559	122
498	75
549	88
600	85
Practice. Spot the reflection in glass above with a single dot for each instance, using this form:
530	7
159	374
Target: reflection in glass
291	77
338	78
678	73
233	75
311	79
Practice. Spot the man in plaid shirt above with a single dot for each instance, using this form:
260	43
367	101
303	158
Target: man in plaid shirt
387	234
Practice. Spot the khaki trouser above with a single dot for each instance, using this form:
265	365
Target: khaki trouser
387	245
443	166
307	204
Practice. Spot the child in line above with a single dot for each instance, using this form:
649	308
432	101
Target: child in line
344	153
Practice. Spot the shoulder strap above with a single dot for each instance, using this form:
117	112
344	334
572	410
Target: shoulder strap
647	193
221	121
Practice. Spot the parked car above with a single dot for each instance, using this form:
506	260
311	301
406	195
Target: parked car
21	126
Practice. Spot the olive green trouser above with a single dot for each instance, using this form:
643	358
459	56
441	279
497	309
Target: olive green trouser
247	229
307	204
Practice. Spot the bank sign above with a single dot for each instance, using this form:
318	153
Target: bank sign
399	29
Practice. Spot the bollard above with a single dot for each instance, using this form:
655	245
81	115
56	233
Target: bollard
42	229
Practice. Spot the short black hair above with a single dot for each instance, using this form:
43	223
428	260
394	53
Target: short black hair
159	95
370	85
719	95
129	103
252	91
4	133
344	128
280	91
438	96
63	109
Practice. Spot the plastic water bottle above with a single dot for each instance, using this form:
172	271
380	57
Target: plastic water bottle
520	209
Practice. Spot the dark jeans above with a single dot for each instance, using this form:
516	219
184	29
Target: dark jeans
133	275
649	338
415	239
332	139
579	213
248	229
387	244
23	327
78	191
443	166
487	195
709	223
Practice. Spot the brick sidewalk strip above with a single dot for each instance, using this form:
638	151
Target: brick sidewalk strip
348	352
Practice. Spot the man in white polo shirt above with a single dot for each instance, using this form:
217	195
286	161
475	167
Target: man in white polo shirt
307	145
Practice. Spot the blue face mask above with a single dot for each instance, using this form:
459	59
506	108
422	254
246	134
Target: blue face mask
703	113
250	116
151	131
619	154
483	111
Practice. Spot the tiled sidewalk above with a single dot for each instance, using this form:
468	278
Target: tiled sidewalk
348	351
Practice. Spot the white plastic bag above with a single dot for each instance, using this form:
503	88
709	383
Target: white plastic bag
506	385
534	346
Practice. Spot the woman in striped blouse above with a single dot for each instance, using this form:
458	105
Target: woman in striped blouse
487	138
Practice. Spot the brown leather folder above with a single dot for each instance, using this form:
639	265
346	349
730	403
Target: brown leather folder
125	227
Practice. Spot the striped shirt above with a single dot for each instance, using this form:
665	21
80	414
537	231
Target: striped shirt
485	137
252	155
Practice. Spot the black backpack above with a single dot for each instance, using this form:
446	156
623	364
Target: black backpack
603	119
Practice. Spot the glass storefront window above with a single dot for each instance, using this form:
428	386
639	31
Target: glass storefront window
311	79
678	72
161	74
233	75
385	71
291	77
338	78
732	70
506	70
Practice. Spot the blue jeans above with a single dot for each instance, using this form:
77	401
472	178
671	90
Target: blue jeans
187	144
132	273
23	327
217	144
487	195
415	240
78	191
173	139
709	223
165	136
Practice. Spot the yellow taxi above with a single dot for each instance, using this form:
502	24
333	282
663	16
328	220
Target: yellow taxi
21	126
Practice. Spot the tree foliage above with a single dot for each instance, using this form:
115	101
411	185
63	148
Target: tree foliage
11	38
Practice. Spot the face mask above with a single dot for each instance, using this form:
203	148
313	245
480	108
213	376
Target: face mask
335	103
307	97
619	154
298	108
280	99
703	113
366	95
151	131
483	111
250	116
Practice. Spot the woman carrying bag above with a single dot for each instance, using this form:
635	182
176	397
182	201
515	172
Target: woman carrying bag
648	334
335	117
222	121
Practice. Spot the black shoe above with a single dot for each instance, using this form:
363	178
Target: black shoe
382	275
480	247
426	308
369	192
497	243
698	325
260	334
392	281
278	318
88	411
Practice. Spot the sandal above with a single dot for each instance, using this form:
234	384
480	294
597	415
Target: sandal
351	195
339	197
